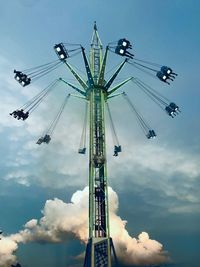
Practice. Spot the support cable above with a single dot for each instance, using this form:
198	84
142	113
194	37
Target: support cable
41	70
44	71
32	104
73	55
114	42
46	138
146	67
147	62
35	73
26	76
152	89
37	103
82	146
152	93
165	104
150	96
53	124
113	130
69	44
41	66
38	77
76	49
24	111
143	70
143	124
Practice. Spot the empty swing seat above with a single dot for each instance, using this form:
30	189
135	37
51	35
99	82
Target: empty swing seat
82	150
117	149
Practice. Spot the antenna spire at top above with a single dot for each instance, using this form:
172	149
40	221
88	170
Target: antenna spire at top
95	26
95	37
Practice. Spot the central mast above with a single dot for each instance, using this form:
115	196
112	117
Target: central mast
99	233
96	92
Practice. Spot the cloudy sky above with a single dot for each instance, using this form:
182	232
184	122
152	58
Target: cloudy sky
156	181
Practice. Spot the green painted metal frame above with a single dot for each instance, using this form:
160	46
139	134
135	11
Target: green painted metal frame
95	91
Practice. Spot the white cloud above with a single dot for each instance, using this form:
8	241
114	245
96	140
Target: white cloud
7	248
162	159
185	209
60	223
176	172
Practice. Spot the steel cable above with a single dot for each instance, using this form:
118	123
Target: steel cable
56	119
113	130
144	125
83	135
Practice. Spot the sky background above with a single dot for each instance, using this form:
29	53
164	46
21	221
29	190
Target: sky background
157	181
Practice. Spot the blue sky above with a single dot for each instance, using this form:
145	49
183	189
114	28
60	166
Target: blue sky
157	182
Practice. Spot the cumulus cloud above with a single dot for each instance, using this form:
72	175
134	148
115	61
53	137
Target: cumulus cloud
60	223
7	248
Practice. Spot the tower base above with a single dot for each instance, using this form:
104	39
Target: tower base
98	253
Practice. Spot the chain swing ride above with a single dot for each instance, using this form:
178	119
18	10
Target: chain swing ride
96	91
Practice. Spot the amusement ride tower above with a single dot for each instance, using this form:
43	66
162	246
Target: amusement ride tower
97	91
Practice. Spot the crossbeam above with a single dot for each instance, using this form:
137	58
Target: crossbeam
73	86
109	83
77	76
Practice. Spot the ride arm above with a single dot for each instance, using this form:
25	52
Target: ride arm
89	74
107	86
78	96
73	86
115	95
119	85
78	78
103	67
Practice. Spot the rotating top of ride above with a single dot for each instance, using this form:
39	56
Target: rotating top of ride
95	70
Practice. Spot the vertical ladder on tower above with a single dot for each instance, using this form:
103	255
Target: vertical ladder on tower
100	245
